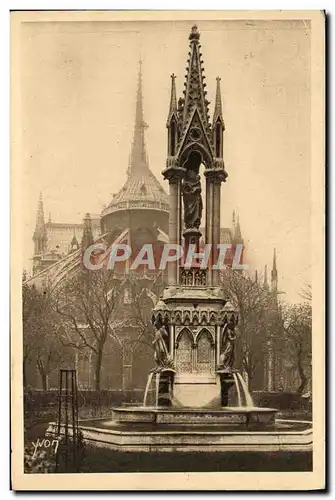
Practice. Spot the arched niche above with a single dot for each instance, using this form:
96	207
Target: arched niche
198	153
184	351
205	352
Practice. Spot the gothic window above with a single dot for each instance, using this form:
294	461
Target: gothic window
143	190
184	352
204	353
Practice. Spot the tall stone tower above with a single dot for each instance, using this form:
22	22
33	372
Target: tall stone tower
193	310
39	236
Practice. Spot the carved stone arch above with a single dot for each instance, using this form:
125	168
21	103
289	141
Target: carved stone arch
184	351
204	318
212	319
206	158
205	331
178	319
186	318
201	140
166	318
205	352
195	318
184	331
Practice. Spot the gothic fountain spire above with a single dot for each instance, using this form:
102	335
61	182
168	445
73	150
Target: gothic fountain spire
195	93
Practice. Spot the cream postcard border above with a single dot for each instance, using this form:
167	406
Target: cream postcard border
177	481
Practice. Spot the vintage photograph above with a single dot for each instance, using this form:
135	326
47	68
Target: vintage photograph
167	272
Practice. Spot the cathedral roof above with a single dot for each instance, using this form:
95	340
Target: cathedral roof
142	190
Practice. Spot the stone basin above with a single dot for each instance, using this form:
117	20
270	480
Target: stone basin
194	416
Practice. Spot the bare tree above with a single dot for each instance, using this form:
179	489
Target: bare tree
306	293
85	304
132	330
255	306
298	341
39	341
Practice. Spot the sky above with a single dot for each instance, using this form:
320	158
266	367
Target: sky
78	88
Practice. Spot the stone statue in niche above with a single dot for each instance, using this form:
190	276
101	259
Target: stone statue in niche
227	346
191	191
162	357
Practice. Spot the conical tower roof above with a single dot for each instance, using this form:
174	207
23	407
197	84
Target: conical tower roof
40	225
142	190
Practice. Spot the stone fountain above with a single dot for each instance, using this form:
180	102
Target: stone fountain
195	399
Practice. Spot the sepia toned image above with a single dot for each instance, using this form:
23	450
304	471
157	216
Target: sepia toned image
167	250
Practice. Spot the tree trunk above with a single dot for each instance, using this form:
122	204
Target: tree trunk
43	375
98	364
303	379
302	375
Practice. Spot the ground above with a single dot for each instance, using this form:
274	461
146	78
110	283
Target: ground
104	460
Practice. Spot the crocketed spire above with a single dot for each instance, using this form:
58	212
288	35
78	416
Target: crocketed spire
138	157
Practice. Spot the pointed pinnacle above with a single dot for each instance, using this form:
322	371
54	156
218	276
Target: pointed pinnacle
173	99
218	102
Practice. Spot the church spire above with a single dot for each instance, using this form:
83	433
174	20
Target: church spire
274	273
266	283
40	235
238	233
138	156
40	213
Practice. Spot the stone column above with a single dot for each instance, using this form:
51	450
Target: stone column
172	341
216	227
214	178
174	174
217	345
173	226
209	224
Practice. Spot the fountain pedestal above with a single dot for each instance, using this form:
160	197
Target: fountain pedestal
226	382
